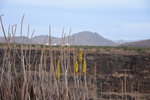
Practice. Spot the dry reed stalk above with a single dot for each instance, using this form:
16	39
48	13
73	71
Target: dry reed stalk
3	30
95	83
24	86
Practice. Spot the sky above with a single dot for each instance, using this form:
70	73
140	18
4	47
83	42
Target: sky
112	19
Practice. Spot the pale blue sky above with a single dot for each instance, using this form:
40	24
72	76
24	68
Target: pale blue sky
113	19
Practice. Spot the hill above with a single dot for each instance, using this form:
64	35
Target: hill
91	39
142	43
45	39
17	39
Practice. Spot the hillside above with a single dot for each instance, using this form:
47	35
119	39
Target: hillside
142	43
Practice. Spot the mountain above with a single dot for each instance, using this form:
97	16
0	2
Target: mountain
142	43
25	40
91	39
84	38
45	39
17	39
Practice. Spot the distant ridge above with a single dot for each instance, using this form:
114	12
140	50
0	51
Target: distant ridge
142	43
45	38
17	39
85	38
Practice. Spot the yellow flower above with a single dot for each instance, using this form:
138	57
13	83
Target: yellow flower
76	67
84	66
58	70
80	56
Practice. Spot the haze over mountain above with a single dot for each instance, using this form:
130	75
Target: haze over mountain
121	41
142	43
